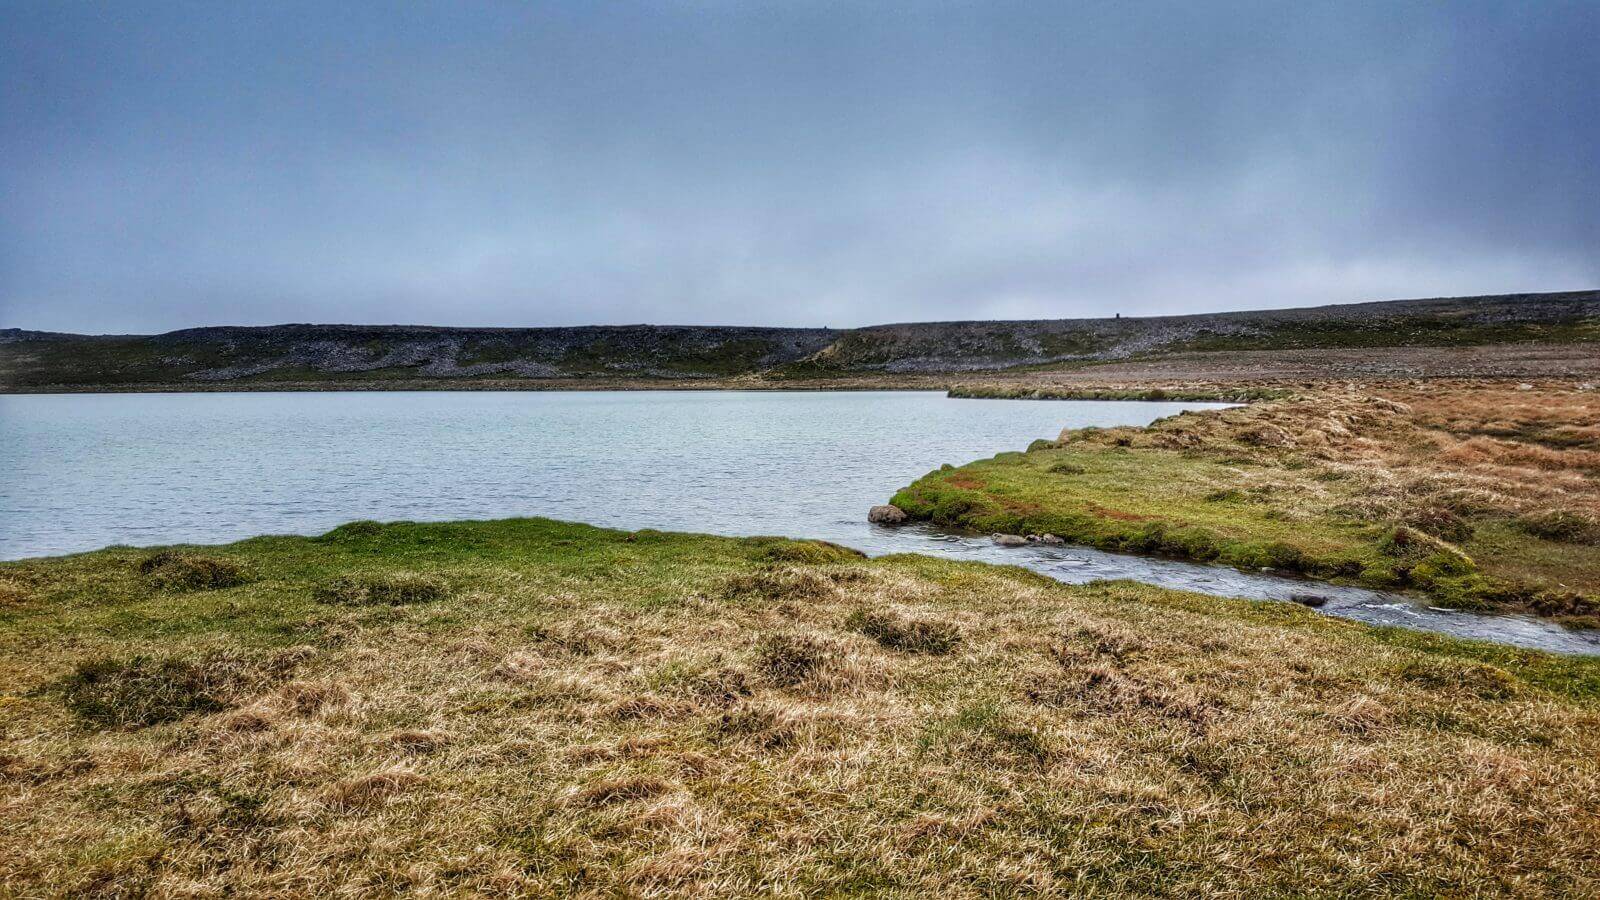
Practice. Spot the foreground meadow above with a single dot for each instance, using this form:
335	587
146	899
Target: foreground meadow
529	707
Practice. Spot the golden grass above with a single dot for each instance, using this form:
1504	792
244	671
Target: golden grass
550	729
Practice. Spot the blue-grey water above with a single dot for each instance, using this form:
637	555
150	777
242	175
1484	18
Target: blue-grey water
79	472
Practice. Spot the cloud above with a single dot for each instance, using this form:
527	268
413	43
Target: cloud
802	164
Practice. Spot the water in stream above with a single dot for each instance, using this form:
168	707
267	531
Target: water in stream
78	472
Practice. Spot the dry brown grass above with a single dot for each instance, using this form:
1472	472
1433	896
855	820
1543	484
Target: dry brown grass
560	734
13	592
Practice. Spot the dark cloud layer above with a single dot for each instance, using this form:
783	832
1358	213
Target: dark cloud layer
170	164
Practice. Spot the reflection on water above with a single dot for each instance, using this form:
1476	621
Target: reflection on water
78	472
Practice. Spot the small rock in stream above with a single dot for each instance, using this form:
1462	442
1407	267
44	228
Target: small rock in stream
886	515
1009	540
1312	600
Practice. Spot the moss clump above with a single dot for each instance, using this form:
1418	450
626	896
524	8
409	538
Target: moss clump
385	588
1439	566
175	570
897	632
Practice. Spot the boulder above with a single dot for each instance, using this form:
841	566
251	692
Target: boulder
1312	600
1009	540
1051	539
886	515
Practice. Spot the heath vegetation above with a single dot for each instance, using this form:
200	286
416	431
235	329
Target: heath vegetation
529	707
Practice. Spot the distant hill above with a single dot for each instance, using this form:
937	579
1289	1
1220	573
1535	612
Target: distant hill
392	355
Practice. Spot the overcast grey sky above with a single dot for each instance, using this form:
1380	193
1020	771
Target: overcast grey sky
799	163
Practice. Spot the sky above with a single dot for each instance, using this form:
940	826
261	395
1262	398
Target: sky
173	164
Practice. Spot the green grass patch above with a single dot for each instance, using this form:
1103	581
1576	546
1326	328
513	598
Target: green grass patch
1140	501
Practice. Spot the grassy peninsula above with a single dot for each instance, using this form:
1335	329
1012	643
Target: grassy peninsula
1483	494
526	707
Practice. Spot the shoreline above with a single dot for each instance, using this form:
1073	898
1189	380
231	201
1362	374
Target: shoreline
1339	599
462	386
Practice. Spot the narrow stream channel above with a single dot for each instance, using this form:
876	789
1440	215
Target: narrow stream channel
1081	565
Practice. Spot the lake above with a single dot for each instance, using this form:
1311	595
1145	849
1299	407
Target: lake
79	472
83	471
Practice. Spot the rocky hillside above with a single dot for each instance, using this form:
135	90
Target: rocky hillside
395	355
317	353
1443	322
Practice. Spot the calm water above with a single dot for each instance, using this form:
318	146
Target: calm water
79	472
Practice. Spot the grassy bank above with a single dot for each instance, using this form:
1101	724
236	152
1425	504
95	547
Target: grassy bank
526	707
1482	495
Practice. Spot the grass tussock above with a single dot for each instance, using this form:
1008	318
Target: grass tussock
1464	678
810	553
784	583
1564	525
587	714
145	690
374	788
352	532
179	571
382	589
620	790
14	592
788	660
898	632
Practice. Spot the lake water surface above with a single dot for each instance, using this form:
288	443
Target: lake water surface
79	472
